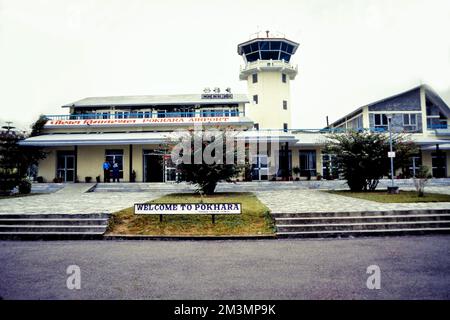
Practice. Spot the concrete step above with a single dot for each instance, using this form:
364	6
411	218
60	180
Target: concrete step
51	228
51	235
355	223
362	219
359	213
36	222
359	233
363	226
54	215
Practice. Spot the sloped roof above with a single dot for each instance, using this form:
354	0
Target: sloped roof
430	93
152	100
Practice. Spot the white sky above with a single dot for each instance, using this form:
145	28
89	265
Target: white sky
352	52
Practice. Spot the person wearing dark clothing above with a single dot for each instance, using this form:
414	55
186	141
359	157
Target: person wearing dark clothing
106	173
115	172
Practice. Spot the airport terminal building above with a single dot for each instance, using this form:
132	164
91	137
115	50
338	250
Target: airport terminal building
133	130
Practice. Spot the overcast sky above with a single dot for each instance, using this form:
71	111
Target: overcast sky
351	52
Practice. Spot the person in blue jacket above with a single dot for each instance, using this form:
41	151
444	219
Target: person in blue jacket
115	172
106	171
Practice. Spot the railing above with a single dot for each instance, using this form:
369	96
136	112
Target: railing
147	114
437	126
269	63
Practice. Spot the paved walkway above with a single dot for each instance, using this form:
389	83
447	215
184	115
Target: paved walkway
279	197
73	198
297	201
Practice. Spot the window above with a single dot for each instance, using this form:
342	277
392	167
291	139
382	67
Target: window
255	99
285	127
283	78
255	78
284	105
329	167
410	122
414	165
161	113
307	163
115	156
381	122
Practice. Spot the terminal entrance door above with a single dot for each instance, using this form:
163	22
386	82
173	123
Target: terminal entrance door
153	166
65	167
260	170
158	167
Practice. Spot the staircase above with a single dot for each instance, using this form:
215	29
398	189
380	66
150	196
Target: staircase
53	226
352	224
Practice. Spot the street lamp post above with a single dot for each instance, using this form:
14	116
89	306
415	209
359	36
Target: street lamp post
391	155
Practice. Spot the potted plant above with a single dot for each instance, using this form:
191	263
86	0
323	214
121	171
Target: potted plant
296	171
133	176
97	178
87	179
318	176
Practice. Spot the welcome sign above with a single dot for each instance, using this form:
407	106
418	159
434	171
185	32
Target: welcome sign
187	208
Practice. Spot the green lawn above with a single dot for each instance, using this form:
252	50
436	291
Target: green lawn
254	220
402	197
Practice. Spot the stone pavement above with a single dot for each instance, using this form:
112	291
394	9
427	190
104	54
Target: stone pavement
280	197
297	201
73	198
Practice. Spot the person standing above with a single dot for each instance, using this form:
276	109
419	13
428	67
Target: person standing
106	173
115	172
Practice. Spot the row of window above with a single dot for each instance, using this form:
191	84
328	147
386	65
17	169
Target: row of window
256	101
255	78
159	114
410	121
285	127
330	169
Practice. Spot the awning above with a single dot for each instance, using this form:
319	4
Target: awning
445	146
266	135
51	140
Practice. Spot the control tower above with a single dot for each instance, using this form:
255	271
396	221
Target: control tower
268	73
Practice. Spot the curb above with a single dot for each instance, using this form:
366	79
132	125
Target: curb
188	238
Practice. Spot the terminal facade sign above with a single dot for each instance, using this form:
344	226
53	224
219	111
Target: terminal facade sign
217	96
139	121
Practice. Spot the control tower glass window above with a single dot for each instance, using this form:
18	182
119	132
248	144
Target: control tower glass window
267	49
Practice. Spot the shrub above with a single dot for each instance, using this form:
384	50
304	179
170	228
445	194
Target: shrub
362	156
205	175
421	179
87	179
24	187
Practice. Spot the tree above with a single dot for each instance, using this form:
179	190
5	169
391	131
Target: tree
202	145
362	156
16	159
